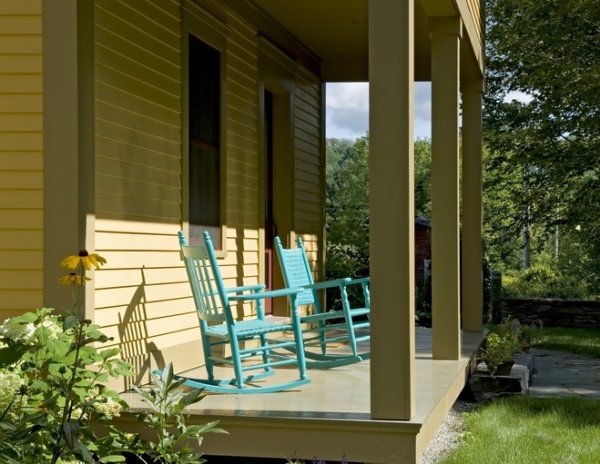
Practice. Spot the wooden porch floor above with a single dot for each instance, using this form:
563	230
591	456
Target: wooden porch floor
329	417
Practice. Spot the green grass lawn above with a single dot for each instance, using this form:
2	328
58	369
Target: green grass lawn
578	341
527	430
523	430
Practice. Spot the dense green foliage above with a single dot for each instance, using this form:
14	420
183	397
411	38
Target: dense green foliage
544	147
347	203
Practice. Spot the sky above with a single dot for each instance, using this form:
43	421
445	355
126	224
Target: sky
347	110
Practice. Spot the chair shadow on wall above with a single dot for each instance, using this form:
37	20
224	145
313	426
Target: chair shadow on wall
133	335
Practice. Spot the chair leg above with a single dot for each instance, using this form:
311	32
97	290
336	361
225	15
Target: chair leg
349	321
300	351
265	354
206	345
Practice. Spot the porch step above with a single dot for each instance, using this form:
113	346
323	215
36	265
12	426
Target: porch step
482	386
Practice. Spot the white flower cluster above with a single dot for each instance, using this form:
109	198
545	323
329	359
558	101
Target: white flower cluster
108	407
18	332
22	333
10	383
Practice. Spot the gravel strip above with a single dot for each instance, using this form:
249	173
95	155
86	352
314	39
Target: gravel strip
447	437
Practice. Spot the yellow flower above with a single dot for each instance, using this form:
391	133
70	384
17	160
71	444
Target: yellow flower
83	259
73	279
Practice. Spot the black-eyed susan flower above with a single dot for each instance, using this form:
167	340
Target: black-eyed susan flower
83	259
73	278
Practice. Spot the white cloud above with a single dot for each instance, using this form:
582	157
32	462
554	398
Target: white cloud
347	110
517	95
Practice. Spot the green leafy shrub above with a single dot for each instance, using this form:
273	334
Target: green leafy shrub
55	406
543	281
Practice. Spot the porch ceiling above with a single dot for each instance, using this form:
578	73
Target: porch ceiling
336	31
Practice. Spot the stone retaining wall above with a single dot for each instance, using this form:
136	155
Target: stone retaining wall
553	312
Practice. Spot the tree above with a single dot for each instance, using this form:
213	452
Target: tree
549	54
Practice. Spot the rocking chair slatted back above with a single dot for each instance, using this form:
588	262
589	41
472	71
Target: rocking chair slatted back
297	274
201	275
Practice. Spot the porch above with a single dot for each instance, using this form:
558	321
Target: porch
330	417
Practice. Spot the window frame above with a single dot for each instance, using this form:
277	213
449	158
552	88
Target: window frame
214	33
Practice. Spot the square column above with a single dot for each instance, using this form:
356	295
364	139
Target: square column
446	33
391	170
472	206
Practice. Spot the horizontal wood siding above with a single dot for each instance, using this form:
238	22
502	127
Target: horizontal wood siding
476	9
309	172
241	265
21	160
141	295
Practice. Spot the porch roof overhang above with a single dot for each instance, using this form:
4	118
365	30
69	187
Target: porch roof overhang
331	38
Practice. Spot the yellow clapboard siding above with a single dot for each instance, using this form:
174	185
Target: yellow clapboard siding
131	26
20	279
21	161
27	300
21	259
21	179
150	259
20	83
112	278
141	294
20	64
122	116
21	199
243	105
236	89
147	16
129	241
163	340
130	208
26	219
308	128
308	115
20	24
10	122
143	227
119	151
137	138
20	239
127	187
21	7
20	103
311	165
135	104
139	87
20	44
166	14
137	172
149	311
26	141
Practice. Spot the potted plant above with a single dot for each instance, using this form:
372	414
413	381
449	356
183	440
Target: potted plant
498	350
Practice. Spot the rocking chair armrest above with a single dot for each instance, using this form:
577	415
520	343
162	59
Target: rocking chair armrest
268	294
329	283
245	288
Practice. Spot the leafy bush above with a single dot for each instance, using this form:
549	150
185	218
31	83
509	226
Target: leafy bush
55	406
543	281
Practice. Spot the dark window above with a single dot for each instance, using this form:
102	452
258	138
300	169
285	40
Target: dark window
204	142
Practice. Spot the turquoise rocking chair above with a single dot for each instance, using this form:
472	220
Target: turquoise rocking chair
250	340
346	325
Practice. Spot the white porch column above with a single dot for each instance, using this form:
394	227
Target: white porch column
445	44
472	207
391	79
